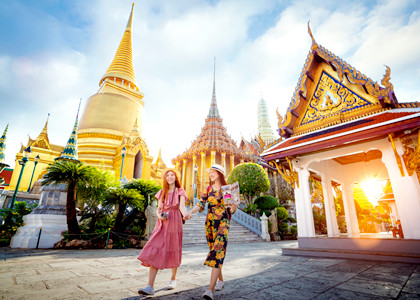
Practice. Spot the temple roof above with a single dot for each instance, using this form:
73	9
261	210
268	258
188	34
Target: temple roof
373	126
331	91
122	64
42	140
213	136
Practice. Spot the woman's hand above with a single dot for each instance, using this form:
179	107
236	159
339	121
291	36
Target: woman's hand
163	216
187	216
232	207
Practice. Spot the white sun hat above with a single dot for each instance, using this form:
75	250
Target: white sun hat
218	168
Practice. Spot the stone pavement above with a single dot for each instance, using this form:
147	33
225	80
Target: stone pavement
251	271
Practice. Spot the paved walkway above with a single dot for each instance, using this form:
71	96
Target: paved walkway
251	271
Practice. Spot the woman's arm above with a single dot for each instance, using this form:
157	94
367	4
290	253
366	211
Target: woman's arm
182	206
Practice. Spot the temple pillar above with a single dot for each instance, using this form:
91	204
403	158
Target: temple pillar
276	185
350	210
232	162
329	206
223	160
184	166
304	215
213	157
193	183
406	191
203	171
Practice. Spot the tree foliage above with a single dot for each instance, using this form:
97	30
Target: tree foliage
90	195
12	218
252	180
71	173
147	188
120	198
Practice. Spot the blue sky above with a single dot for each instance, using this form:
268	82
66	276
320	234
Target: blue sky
52	53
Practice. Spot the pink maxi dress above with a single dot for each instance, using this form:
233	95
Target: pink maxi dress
164	248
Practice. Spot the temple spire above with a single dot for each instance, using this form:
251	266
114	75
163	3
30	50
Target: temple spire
3	145
264	127
214	112
70	151
42	140
121	68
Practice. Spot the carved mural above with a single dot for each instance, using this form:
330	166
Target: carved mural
331	98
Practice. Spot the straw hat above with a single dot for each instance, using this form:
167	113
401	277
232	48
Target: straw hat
218	168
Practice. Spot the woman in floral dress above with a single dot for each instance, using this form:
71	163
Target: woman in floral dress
217	226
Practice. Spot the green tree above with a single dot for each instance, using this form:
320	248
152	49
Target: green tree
252	180
12	219
120	198
266	203
146	188
90	195
70	173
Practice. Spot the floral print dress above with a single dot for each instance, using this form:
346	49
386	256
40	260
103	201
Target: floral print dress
217	226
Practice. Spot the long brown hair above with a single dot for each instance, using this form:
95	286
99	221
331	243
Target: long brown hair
221	177
166	185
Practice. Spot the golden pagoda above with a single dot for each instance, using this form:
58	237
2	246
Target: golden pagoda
112	119
213	146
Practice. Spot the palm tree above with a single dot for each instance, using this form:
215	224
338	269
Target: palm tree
69	172
121	197
146	188
91	194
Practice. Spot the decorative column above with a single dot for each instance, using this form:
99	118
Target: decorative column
232	162
264	228
329	205
224	160
276	184
304	215
193	176
203	171
353	230
406	191
213	157
177	166
184	166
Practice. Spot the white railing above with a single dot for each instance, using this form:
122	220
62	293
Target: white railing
248	221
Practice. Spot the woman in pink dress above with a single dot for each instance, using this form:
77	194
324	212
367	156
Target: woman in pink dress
164	248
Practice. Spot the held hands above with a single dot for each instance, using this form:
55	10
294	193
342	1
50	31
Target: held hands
187	216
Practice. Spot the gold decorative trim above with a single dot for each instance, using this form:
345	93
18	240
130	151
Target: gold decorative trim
290	176
99	135
411	155
397	157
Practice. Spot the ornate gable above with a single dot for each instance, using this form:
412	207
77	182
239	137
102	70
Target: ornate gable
330	91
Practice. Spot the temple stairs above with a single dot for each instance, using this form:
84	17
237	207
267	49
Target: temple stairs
194	232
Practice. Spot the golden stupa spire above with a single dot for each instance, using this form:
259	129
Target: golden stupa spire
122	66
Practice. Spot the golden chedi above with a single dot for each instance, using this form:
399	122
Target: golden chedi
112	119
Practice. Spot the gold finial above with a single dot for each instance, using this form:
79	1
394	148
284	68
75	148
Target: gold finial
314	44
122	64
